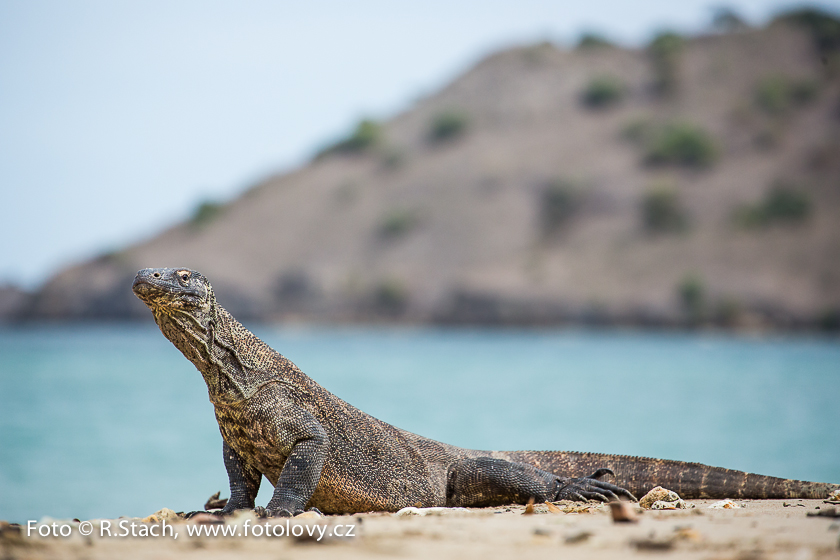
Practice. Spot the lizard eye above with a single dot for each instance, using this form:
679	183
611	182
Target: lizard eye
185	276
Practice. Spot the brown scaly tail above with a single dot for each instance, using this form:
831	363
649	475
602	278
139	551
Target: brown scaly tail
689	480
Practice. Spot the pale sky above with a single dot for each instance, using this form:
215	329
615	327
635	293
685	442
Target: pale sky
117	118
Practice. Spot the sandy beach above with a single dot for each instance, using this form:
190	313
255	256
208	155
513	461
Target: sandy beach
777	529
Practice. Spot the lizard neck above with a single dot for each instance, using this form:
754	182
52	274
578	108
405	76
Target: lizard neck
225	352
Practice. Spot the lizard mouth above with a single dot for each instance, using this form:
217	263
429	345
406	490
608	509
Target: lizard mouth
145	288
146	291
141	287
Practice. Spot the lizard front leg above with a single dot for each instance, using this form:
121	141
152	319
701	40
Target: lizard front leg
244	481
305	443
269	433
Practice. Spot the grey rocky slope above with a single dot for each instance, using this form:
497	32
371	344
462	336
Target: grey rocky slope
698	182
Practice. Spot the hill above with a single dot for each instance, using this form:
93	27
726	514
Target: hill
694	181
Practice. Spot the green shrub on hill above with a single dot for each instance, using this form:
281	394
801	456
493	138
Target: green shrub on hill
664	52
666	44
637	131
682	144
594	41
559	202
391	296
727	20
365	136
397	223
783	204
672	143
602	92
662	211
447	125
393	158
727	311
823	27
205	213
692	295
776	95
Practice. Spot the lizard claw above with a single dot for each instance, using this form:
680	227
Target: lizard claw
601	472
231	508
280	512
590	488
283	508
261	512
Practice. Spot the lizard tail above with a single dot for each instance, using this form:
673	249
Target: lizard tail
689	480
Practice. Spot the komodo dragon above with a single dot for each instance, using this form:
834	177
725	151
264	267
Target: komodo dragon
319	451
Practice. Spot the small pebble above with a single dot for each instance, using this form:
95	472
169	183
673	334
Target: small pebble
577	537
623	512
9	529
652	544
658	494
161	515
724	504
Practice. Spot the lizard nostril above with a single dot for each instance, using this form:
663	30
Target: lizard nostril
156	274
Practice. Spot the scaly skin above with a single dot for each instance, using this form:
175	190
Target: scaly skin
319	451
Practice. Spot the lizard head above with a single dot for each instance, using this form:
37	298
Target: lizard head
170	289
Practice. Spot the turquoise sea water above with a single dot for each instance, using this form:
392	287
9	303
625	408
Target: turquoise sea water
110	420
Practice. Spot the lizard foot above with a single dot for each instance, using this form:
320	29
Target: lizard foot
590	488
